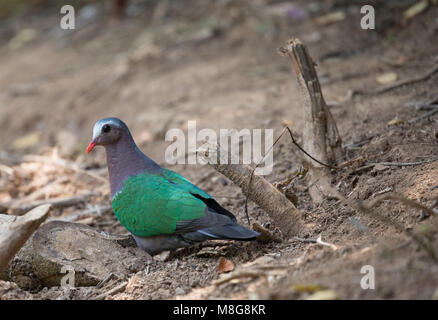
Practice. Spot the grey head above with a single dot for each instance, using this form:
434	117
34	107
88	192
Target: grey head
124	158
108	131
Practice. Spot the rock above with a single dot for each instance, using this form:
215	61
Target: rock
14	232
163	293
62	246
179	291
9	290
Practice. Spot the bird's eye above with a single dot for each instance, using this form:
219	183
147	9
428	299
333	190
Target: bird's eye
106	128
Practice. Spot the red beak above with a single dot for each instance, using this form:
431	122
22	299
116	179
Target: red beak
91	146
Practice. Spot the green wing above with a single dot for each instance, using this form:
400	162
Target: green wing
153	204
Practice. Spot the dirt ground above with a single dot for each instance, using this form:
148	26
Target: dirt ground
218	64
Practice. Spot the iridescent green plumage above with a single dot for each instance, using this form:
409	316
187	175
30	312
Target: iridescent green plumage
153	204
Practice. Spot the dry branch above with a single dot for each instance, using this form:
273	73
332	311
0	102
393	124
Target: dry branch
367	208
120	288
247	274
320	124
283	213
434	110
395	164
55	160
91	253
265	235
17	207
14	232
401	83
327	244
320	128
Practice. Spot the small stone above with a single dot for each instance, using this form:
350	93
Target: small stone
179	291
163	292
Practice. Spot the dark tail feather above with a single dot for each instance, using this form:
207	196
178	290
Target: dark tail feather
230	231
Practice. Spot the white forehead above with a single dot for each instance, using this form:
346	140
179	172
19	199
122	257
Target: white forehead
97	129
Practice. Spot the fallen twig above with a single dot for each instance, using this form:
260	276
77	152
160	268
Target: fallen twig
120	288
52	160
367	209
427	114
404	82
239	275
261	161
399	83
278	207
395	164
304	239
406	201
323	243
104	281
356	145
17	207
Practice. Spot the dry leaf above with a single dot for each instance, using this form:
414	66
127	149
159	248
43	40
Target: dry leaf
330	18
225	265
307	288
416	9
21	38
26	141
387	78
394	122
324	295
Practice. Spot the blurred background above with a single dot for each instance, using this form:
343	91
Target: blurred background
157	64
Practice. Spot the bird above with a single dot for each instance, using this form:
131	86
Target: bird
159	207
